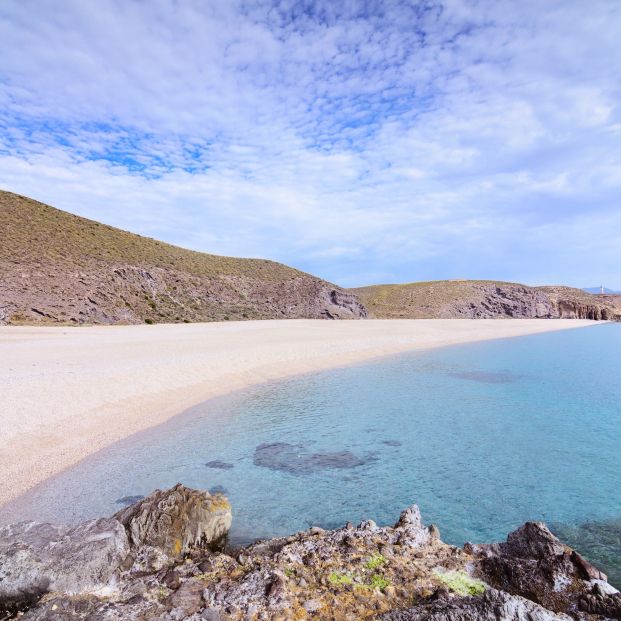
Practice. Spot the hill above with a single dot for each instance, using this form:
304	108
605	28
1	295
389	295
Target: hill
484	299
60	268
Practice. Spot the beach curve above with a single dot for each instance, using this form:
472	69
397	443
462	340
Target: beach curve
70	392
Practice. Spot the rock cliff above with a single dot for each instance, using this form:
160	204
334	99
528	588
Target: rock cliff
477	299
59	268
162	561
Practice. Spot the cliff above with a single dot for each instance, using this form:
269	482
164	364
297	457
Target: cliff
570	303
485	299
60	268
163	559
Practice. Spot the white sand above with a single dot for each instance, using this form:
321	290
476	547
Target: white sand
68	392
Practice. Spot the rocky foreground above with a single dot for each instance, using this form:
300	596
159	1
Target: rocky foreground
165	558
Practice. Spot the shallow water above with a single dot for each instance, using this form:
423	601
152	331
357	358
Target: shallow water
482	437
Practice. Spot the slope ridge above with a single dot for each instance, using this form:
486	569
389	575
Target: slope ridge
59	267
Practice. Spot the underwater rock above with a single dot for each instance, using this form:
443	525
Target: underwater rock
177	520
217	489
486	377
295	460
128	500
220	465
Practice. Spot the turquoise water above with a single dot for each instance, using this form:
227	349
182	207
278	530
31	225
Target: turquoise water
482	437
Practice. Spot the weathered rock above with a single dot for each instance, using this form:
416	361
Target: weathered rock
188	598
177	520
491	606
352	573
535	564
36	558
602	602
68	608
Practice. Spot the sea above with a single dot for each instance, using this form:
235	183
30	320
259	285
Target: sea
482	437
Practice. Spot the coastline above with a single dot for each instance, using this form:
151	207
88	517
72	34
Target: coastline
70	392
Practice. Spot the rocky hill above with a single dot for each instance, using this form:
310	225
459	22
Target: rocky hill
485	299
56	267
163	558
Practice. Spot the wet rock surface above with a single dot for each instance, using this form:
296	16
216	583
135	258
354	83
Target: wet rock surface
399	573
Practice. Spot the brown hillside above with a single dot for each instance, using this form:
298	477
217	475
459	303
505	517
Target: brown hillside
60	268
484	299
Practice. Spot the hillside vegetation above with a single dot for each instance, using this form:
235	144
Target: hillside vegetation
58	267
484	299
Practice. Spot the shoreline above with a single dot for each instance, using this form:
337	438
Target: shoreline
68	393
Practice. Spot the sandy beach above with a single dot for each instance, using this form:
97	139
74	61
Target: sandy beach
69	392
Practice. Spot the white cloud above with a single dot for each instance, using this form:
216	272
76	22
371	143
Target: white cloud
414	140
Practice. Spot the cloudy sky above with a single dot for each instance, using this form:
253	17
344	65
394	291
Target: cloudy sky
363	141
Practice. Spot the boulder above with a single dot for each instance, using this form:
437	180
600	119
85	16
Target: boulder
36	558
533	563
177	520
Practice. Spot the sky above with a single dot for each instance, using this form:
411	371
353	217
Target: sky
362	141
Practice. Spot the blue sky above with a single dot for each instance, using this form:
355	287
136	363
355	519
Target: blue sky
384	141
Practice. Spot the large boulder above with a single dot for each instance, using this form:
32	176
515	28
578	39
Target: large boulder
177	520
533	563
36	558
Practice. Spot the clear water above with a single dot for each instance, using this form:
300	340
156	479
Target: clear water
482	437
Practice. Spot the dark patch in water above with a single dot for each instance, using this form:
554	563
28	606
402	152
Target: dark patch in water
487	377
599	542
128	500
295	460
219	465
217	489
392	442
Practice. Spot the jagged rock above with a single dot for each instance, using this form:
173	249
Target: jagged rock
535	564
177	520
347	574
36	558
602	602
188	598
491	606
